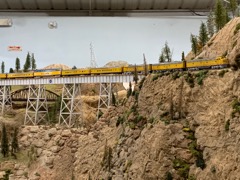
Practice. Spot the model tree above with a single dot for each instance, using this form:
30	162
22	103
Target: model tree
210	24
203	35
3	67
4	142
27	64
17	64
194	43
33	62
220	15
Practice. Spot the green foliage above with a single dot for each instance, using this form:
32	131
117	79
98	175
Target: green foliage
189	79
233	6
210	24
237	28
17	64
135	78
203	35
113	99
221	73
74	67
33	62
141	83
168	176
227	125
129	91
4	142
27	64
11	70
236	107
54	111
120	120
220	15
182	167
200	162
166	54
183	56
136	94
194	43
175	75
2	67
15	146
200	76
100	113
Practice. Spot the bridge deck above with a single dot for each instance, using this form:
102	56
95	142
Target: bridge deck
70	80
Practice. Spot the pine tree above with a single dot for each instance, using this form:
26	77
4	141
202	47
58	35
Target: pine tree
210	24
33	62
203	35
145	65
194	44
17	64
27	64
113	99
220	15
4	142
135	78
3	67
129	92
183	56
167	52
15	146
161	58
11	70
74	67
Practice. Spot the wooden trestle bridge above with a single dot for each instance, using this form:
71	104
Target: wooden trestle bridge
37	96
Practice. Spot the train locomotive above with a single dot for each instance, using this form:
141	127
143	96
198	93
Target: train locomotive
197	64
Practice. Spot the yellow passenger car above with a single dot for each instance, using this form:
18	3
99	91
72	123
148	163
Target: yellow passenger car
20	75
75	72
3	76
206	63
112	70
47	72
139	68
168	66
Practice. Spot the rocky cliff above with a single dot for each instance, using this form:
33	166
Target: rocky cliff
169	128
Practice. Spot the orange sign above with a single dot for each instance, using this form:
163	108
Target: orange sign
14	48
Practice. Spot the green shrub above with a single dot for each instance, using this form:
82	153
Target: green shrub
227	124
182	167
200	162
168	176
120	120
221	73
189	79
175	75
200	76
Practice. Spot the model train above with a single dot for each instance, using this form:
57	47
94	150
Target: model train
219	62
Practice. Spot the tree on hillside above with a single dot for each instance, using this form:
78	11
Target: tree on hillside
33	62
11	70
145	65
161	58
135	78
233	7
203	35
183	56
3	67
129	92
4	142
220	15
74	67
15	146
194	43
27	64
210	24
17	64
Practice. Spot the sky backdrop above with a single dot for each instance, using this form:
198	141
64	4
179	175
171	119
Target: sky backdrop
113	39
